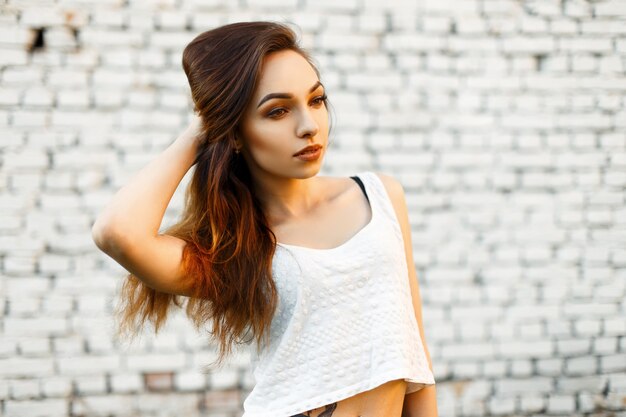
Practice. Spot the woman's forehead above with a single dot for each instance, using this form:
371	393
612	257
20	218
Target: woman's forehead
285	71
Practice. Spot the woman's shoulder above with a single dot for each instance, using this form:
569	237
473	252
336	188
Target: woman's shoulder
340	184
393	187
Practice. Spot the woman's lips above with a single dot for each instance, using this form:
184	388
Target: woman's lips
310	156
312	148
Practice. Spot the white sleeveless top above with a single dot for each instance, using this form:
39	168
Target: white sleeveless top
345	322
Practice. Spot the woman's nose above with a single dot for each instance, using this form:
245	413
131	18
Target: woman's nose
307	124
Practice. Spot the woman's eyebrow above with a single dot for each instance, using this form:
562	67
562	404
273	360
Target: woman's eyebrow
285	95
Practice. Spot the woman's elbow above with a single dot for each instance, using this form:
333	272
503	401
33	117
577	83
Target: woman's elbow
103	235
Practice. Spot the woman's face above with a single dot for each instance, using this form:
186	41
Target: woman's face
287	113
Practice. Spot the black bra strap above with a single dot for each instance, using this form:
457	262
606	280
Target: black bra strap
358	181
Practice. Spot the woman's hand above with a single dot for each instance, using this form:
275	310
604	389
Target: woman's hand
194	129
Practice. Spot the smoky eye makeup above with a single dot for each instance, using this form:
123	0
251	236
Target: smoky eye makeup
323	97
276	112
318	99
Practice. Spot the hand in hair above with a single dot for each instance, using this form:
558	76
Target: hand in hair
194	129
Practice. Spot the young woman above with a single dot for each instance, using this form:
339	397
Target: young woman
318	269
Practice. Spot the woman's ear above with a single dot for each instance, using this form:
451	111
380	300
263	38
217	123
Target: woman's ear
236	144
237	138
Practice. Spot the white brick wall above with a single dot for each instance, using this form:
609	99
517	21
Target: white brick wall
504	120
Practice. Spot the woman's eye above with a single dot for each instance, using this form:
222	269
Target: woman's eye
276	113
320	99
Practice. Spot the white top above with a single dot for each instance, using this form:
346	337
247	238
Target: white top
345	322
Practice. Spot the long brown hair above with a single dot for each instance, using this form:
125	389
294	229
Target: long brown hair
229	250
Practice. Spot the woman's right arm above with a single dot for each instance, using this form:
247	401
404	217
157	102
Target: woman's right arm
127	228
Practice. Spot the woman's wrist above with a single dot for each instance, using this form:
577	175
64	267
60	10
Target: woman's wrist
193	129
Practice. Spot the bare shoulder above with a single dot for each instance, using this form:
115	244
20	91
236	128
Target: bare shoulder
394	188
335	187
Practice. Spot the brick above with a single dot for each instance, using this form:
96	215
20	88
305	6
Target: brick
371	23
561	404
159	403
18	367
169	19
53	263
614	326
206	4
156	362
400	5
501	405
332	6
13	35
90	384
589	309
611	8
567	347
123	383
73	99
534	44
471	25
586	402
85	119
35	326
61	39
613	363
19	265
582	44
120	78
523	385
614	401
602	27
9	97
104	99
577	9
109	404
35	346
532	403
587	327
23	306
521	368
406	42
98	37
466	370
12	57
348	61
86	365
223	379
176	40
534	24
221	400
56	386
526	349
572	385
470	44
347	42
190	381
34	408
466	350
10	223
24	389
550	366
8	347
585	365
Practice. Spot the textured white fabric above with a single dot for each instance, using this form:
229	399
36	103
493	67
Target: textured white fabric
345	321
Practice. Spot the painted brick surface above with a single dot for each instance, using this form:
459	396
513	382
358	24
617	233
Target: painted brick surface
505	120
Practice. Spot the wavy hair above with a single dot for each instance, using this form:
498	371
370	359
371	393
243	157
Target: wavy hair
229	245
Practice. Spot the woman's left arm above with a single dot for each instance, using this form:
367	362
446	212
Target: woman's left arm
422	403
